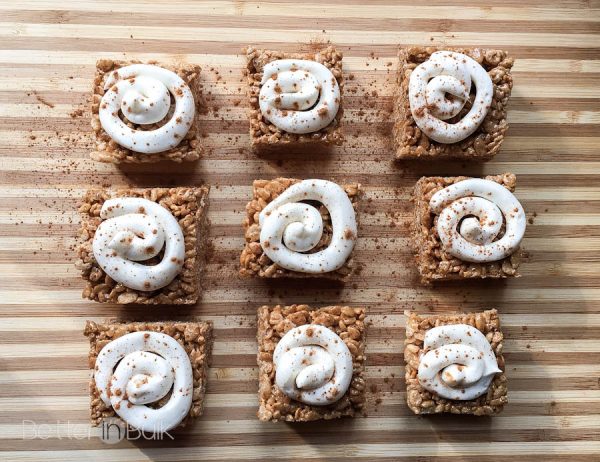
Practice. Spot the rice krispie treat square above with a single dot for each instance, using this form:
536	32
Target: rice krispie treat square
194	337
264	133
188	206
434	260
273	323
410	140
255	262
108	150
422	401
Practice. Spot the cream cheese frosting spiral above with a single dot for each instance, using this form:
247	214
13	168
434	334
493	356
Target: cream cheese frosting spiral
312	365
290	226
139	369
142	94
298	96
458	362
449	73
471	214
134	230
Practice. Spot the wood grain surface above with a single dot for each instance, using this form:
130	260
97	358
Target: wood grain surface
551	315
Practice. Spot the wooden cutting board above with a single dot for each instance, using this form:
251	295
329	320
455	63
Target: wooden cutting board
551	315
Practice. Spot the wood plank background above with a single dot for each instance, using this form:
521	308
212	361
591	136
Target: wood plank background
551	315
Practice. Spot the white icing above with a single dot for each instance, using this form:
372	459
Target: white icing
447	72
458	362
313	365
471	214
290	227
298	96
135	229
140	368
142	93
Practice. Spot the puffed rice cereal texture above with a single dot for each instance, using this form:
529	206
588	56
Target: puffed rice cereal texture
273	323
188	206
433	262
107	150
194	337
422	401
484	143
254	262
266	136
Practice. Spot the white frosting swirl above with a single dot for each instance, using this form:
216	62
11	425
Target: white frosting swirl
141	368
290	227
312	365
458	362
142	93
133	230
298	96
449	73
471	214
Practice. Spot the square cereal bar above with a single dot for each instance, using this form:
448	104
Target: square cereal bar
194	337
422	401
484	143
433	262
253	260
107	150
263	133
188	206
273	323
